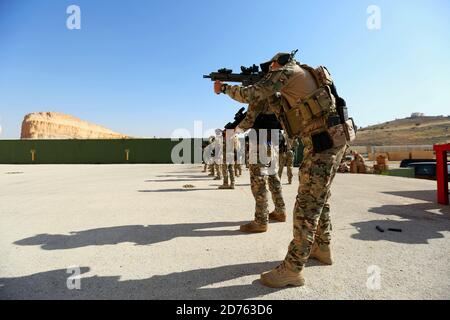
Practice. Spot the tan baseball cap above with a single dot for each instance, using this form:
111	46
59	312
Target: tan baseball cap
265	65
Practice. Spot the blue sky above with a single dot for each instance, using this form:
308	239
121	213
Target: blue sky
136	66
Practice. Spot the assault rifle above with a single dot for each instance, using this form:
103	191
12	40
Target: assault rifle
247	77
238	117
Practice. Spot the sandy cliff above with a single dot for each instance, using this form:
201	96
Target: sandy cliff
54	125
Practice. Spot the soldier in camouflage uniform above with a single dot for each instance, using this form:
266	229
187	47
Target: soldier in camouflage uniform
212	166
262	175
286	84
287	158
237	170
217	160
205	144
237	165
227	165
218	170
211	170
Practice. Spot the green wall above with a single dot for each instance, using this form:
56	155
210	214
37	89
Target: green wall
89	151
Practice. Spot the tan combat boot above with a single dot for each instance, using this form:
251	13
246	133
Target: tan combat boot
226	186
253	227
322	253
282	276
280	217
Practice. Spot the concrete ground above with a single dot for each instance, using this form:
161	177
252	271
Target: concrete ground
135	233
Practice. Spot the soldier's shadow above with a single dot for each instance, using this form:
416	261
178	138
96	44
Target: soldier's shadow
193	284
137	234
420	222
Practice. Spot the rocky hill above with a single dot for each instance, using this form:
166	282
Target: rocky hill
420	130
54	125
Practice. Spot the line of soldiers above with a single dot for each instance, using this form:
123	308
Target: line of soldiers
218	167
287	148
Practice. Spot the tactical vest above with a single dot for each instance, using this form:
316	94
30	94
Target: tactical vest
316	116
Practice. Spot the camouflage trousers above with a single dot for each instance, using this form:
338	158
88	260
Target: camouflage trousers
237	169
258	184
286	160
228	171
312	211
218	169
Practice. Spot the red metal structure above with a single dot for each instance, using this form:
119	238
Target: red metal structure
442	172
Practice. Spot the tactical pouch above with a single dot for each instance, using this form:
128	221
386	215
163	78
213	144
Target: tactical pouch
317	104
341	134
351	130
293	121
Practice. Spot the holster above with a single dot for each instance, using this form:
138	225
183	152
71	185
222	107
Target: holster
342	133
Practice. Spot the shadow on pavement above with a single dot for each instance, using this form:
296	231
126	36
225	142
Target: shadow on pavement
424	195
195	177
420	221
179	180
137	234
179	285
176	190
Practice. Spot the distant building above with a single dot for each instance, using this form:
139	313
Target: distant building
417	115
